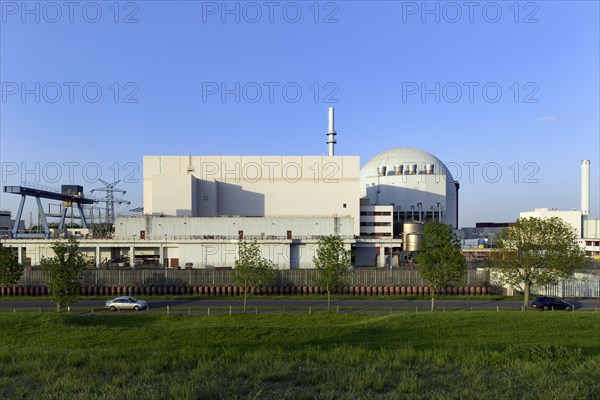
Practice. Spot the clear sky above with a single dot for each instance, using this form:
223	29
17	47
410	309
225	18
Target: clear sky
505	93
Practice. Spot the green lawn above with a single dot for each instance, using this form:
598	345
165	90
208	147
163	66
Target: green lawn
457	355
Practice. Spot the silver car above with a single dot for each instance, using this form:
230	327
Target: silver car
125	303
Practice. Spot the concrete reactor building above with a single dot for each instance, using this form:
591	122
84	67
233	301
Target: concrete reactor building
375	209
198	208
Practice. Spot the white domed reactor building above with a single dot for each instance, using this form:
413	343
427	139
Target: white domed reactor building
400	190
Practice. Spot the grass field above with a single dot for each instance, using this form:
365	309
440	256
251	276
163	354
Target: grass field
458	355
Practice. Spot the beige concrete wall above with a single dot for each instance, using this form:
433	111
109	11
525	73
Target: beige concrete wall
229	227
572	218
172	195
366	220
591	228
253	185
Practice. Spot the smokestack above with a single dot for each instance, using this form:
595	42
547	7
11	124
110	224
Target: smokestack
331	134
585	187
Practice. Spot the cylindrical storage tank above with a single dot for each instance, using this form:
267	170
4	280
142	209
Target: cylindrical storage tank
381	170
429	169
398	169
413	234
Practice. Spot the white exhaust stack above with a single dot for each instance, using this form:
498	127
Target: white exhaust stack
585	187
331	134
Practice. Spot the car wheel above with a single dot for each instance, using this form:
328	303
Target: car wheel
546	308
136	308
113	308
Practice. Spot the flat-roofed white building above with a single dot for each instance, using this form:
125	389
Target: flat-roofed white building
573	218
252	186
212	242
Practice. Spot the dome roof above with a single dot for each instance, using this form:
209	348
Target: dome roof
403	156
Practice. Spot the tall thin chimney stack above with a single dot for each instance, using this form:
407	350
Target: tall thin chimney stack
331	134
585	187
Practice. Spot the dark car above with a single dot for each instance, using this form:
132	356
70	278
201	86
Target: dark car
551	303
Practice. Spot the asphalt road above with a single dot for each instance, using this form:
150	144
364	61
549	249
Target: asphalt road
448	304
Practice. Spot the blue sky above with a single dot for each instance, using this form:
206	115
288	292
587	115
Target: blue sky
400	74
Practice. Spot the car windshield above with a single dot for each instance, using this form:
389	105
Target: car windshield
132	300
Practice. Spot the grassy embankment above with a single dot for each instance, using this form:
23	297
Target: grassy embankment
458	355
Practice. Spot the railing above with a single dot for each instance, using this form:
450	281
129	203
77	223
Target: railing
248	238
582	285
192	277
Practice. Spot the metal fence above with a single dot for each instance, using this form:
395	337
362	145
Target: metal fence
199	277
582	285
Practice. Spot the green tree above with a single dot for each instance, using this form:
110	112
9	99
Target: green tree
333	264
537	251
10	269
441	261
252	271
62	272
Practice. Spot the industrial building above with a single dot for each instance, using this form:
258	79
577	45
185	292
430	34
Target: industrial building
198	208
7	224
586	228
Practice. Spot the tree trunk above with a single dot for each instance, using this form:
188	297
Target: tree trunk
58	306
245	299
526	300
328	300
432	299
